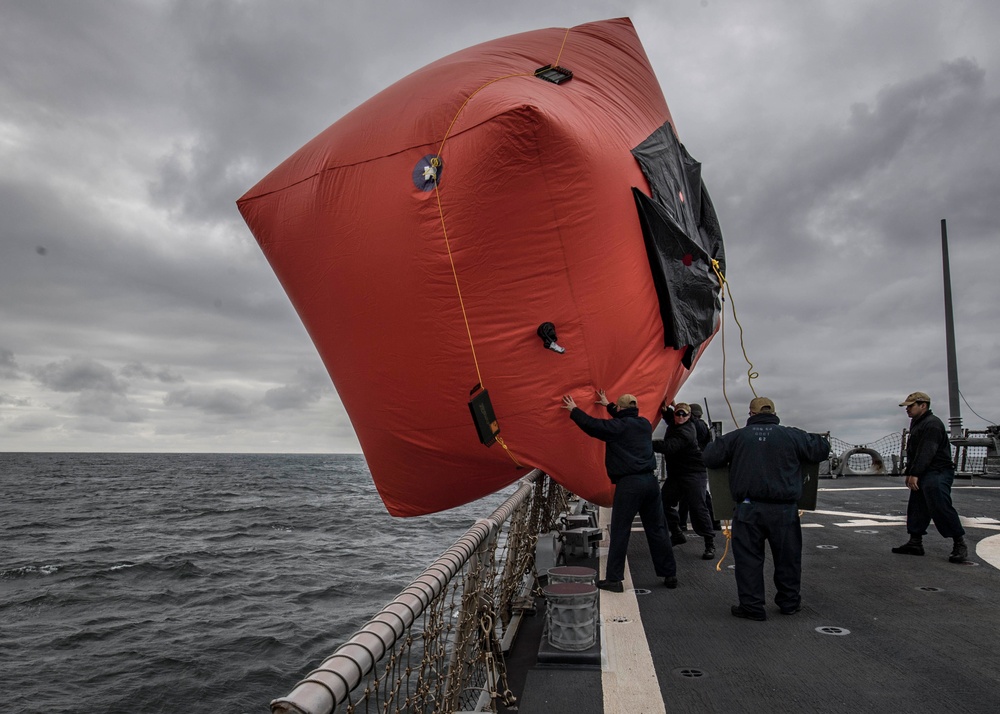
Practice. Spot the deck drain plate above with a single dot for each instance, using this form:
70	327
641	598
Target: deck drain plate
827	547
690	672
929	589
641	591
831	630
867	532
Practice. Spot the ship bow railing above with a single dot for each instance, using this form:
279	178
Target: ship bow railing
438	646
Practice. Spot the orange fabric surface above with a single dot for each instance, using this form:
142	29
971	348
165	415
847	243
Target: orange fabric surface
537	206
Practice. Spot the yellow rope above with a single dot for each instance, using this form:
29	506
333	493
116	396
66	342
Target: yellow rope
458	288
727	531
559	56
751	374
508	451
436	162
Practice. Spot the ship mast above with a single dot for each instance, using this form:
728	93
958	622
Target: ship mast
955	419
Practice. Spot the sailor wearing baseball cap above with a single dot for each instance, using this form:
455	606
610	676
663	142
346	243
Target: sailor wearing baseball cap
631	466
929	473
915	398
765	478
687	479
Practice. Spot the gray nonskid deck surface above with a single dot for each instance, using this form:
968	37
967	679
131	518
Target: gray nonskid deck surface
912	634
909	634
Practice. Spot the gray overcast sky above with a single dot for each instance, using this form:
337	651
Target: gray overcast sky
138	314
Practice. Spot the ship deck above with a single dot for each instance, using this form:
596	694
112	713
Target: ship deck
878	632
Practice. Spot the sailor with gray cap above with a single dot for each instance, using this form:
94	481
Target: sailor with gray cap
765	477
929	473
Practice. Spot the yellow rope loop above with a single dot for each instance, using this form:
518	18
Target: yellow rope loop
509	452
727	531
718	273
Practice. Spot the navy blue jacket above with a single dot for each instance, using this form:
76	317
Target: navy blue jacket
765	459
680	450
704	432
628	440
927	448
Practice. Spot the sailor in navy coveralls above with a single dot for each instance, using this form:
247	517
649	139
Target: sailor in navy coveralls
765	477
930	473
631	466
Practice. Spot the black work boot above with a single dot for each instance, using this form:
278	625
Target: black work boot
960	553
678	538
709	553
914	546
612	586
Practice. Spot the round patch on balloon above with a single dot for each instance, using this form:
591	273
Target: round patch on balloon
427	172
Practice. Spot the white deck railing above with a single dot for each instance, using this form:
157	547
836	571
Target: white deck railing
436	646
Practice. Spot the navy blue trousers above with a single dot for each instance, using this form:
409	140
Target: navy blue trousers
638	494
932	501
691	490
778	525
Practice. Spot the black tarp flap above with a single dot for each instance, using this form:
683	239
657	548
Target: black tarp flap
686	284
682	237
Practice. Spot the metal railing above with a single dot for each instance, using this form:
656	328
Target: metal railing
975	454
437	645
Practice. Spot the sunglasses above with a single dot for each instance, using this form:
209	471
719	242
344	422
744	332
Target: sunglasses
681	413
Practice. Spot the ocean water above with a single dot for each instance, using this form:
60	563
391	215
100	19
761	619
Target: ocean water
192	582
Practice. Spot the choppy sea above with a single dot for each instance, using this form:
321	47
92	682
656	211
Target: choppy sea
192	582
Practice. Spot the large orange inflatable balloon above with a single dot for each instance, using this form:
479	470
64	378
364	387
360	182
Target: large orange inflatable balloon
512	223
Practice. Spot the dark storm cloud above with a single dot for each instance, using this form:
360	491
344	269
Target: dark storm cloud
78	374
107	406
290	397
211	401
99	393
9	368
14	401
139	370
309	387
78	57
888	172
32	425
265	86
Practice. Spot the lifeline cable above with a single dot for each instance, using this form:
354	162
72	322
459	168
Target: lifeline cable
992	423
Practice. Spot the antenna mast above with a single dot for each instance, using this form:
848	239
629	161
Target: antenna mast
955	420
